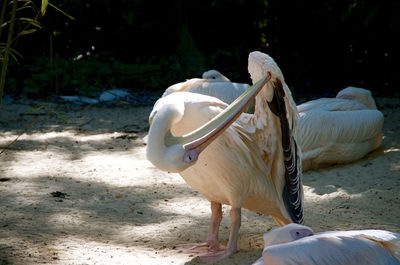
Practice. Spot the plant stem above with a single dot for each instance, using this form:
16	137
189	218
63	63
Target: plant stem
3	11
7	51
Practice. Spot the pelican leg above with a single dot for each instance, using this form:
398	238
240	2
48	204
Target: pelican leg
212	244
236	216
216	218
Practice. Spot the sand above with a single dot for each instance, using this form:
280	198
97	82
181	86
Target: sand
82	191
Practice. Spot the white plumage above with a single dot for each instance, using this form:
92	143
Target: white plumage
255	163
296	244
339	130
215	85
214	75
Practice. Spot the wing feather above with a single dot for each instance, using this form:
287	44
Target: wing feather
319	128
331	104
292	191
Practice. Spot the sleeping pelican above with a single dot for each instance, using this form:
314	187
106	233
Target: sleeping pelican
212	83
297	244
339	130
331	130
254	163
215	75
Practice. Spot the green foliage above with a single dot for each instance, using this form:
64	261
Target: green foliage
25	15
5	53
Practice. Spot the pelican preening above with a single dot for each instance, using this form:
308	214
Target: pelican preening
254	163
297	244
331	130
213	84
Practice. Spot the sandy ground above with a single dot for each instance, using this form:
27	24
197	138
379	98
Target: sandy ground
82	192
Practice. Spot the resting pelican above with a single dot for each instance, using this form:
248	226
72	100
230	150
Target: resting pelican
339	130
215	75
212	83
297	244
331	130
255	163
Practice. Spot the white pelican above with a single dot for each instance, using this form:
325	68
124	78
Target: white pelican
331	130
212	83
215	75
297	244
255	163
339	130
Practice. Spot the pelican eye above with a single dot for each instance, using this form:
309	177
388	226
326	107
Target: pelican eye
190	156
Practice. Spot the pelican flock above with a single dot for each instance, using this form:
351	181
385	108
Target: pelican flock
297	244
331	130
244	160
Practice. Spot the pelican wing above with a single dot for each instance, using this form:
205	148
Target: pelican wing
329	249
331	104
387	239
292	190
223	90
320	128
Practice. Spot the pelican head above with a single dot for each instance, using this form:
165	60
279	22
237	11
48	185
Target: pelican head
358	94
214	75
261	63
288	233
176	153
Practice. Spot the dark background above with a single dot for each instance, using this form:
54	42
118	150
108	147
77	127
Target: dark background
148	45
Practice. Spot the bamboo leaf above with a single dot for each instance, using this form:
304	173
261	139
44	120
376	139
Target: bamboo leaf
26	7
27	31
13	55
27	3
31	5
44	6
31	21
33	110
60	116
16	53
59	10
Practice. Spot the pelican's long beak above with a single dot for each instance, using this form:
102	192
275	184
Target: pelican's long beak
200	138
